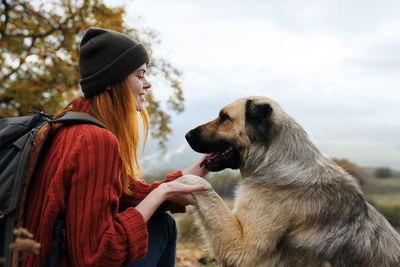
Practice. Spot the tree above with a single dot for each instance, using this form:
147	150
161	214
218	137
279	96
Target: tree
382	172
352	169
39	43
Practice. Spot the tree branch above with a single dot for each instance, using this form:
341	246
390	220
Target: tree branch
7	8
22	61
59	27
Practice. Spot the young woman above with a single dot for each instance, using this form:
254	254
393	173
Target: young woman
89	174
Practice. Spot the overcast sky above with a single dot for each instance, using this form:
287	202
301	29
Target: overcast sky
333	65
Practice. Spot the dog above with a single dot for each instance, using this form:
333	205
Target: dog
294	206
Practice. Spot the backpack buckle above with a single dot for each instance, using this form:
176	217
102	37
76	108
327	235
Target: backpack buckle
42	114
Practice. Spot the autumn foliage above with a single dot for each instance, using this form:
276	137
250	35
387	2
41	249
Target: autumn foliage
39	56
350	167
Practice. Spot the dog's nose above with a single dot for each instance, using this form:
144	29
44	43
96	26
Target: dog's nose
195	141
188	136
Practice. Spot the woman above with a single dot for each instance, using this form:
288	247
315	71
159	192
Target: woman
89	174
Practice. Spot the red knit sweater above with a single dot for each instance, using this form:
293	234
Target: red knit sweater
78	175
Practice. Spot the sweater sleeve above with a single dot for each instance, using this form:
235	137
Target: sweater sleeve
141	189
97	234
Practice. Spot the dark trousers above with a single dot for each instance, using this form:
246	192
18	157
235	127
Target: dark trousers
161	250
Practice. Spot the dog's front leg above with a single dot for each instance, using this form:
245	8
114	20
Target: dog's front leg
221	227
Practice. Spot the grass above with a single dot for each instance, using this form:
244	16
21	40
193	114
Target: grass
389	199
384	191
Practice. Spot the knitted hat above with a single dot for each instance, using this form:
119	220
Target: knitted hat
106	57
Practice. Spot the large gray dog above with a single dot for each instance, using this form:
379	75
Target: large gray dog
294	207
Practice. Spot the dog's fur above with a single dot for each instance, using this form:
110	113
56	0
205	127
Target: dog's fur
294	206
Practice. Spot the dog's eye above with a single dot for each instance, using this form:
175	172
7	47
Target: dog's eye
224	117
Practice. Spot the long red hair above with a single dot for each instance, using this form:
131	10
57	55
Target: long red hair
116	109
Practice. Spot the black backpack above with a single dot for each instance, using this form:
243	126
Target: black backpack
21	140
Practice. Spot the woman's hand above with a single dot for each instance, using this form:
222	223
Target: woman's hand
197	168
180	193
172	191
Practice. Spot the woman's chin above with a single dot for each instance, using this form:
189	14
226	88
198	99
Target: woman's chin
139	107
140	103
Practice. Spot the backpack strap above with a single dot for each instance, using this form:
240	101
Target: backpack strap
73	117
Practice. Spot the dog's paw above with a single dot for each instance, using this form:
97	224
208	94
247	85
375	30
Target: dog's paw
192	180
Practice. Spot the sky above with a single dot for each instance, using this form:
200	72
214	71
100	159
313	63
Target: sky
333	65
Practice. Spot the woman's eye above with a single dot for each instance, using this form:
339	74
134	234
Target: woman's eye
140	77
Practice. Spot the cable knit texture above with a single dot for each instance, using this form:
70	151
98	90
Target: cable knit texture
78	176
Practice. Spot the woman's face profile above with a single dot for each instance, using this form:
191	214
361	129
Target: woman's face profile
139	84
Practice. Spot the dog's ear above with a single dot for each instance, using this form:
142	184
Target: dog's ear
258	120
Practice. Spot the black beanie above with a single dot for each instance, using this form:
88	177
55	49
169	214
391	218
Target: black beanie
106	57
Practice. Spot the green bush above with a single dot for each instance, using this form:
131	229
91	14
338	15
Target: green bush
391	213
383	172
187	227
224	182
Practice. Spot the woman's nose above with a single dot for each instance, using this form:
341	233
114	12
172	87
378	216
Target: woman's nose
146	84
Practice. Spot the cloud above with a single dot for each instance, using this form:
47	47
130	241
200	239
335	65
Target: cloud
165	157
380	57
333	65
375	154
